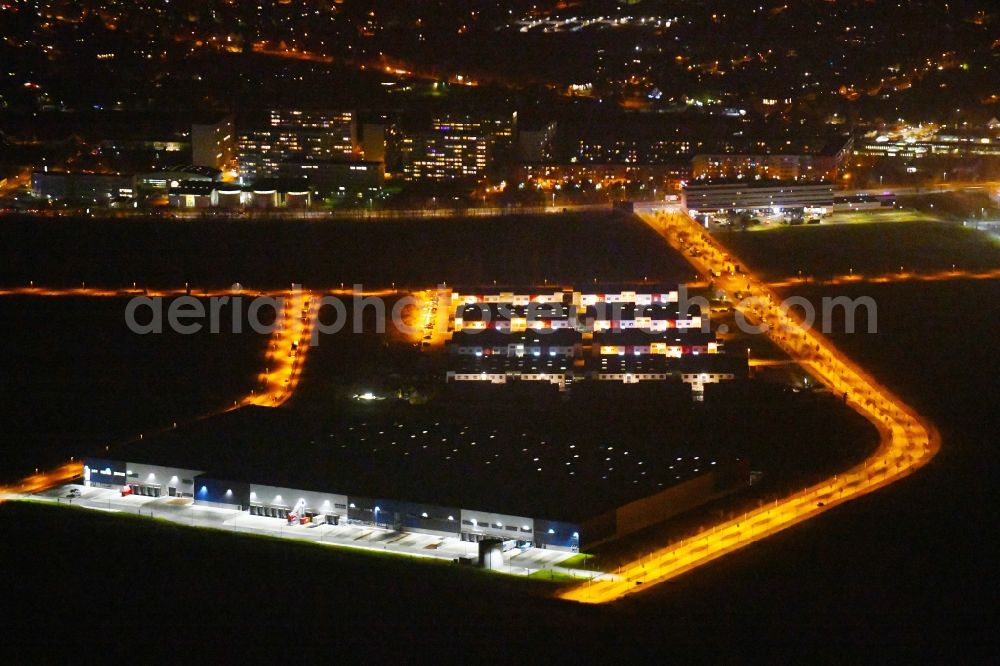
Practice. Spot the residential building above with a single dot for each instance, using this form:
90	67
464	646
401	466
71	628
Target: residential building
661	175
536	144
454	148
305	134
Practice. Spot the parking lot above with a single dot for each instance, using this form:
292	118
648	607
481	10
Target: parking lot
435	313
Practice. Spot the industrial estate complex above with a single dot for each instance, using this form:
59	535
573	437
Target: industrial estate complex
321	505
589	420
303	507
551	341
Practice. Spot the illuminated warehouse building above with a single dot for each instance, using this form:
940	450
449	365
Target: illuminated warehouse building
442	475
301	507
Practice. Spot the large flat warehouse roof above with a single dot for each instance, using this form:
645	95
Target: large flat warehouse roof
561	462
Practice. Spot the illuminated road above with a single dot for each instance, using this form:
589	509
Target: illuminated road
907	440
286	351
936	188
21	179
885	278
396	67
103	292
770	362
41	480
174	214
425	293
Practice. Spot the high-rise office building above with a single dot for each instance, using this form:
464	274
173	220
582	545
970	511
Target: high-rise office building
320	135
454	148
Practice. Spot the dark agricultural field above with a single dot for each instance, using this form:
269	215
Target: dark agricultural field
869	249
114	253
77	379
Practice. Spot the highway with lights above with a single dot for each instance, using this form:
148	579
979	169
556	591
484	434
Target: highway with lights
907	440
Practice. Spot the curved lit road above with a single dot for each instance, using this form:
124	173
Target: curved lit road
907	440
